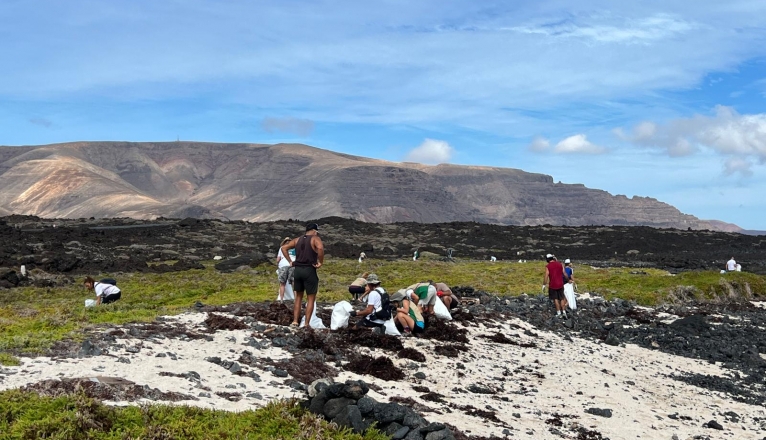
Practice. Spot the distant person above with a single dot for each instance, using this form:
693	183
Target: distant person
105	293
415	255
309	256
285	272
378	309
731	265
554	279
408	313
358	287
493	258
362	257
444	293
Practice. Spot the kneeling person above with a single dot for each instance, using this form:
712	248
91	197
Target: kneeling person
409	314
105	293
377	302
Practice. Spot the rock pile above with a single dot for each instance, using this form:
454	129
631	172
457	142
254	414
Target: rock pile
347	404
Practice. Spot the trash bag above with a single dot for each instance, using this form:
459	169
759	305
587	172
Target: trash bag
289	294
315	321
90	303
391	328
440	310
570	294
340	314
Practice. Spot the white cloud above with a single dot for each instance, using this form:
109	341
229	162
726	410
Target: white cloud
726	132
539	144
301	127
739	166
578	144
431	151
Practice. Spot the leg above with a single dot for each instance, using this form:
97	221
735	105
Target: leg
447	300
309	308
281	291
297	307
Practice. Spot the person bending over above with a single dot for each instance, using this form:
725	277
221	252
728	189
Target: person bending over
444	293
409	315
358	287
426	293
370	314
105	293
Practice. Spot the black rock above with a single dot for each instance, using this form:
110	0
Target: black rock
89	349
392	427
432	427
350	416
400	433
443	434
612	340
335	390
713	425
420	375
366	405
235	368
389	412
279	373
318	402
414	434
334	406
123	360
603	412
355	389
414	421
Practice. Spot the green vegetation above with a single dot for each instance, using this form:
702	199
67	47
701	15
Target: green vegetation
25	415
31	319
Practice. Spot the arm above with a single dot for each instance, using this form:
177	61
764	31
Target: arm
286	249
547	276
364	312
405	307
318	246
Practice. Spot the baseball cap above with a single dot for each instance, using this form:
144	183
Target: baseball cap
549	256
567	261
311	226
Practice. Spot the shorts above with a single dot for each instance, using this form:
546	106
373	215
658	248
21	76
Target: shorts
556	294
454	304
356	290
418	329
111	298
366	323
306	280
285	274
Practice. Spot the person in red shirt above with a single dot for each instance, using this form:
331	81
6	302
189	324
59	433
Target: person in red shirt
554	278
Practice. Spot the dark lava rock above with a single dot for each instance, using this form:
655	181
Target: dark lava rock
333	406
252	259
350	416
414	421
480	389
89	349
389	412
279	373
443	434
420	375
713	425
602	412
433	426
366	405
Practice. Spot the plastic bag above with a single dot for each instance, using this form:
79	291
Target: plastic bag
391	328
289	294
440	310
340	314
315	321
570	294
90	303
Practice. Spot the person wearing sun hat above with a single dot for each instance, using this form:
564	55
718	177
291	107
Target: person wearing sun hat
377	302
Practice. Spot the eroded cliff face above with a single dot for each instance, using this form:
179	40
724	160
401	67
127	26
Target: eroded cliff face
270	182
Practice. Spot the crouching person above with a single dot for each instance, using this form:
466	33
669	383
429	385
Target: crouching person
409	315
378	305
105	293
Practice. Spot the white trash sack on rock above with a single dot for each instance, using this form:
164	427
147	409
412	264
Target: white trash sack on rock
391	328
440	310
340	314
315	321
569	293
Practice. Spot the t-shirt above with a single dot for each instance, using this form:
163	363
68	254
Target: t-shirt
556	275
373	299
361	282
422	291
569	271
444	288
282	260
103	289
731	265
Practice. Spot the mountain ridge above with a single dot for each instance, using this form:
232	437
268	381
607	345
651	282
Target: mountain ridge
262	182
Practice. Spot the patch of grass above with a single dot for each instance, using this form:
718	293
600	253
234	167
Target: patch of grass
26	415
9	360
31	319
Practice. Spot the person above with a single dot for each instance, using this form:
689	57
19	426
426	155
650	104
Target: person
309	256
444	293
362	257
426	293
731	265
105	293
408	313
359	286
285	272
554	278
415	255
568	272
374	305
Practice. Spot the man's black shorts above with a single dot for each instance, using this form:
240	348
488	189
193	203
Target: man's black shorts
306	280
556	294
364	322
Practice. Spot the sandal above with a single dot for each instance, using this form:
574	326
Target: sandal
294	324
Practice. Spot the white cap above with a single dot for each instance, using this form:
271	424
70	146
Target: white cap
549	256
567	261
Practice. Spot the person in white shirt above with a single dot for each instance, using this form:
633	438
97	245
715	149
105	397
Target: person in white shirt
285	272
374	305
731	265
105	293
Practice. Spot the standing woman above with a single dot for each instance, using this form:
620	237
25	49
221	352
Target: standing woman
105	293
285	272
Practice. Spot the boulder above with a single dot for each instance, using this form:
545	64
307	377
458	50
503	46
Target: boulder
350	417
389	412
333	407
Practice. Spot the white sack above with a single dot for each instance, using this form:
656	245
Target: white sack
570	294
391	328
90	303
340	314
315	322
440	310
289	294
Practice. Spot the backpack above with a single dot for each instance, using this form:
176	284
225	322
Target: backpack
111	281
384	314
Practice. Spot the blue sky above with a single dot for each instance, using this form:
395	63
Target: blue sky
665	99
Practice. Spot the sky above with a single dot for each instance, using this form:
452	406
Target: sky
662	99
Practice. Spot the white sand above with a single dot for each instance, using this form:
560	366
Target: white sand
599	372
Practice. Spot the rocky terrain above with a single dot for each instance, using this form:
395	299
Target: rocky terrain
277	182
503	368
125	245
